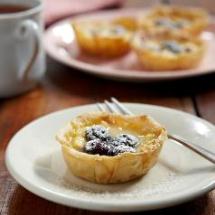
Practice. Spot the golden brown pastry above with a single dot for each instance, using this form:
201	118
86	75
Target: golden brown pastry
167	53
174	21
102	39
111	148
128	22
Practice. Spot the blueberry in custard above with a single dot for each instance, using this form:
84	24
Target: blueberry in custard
172	46
99	141
97	146
96	131
127	139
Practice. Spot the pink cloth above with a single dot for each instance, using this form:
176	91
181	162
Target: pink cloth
58	9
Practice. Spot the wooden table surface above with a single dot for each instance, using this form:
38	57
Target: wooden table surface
63	87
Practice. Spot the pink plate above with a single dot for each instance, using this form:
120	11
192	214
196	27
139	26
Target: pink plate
60	43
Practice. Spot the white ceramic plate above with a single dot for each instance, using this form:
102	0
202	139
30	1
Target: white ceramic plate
34	159
60	43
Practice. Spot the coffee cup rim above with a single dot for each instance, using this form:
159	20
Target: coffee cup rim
24	13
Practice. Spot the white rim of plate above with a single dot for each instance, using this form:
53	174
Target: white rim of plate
135	205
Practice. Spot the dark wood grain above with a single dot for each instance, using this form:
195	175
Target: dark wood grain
206	105
64	87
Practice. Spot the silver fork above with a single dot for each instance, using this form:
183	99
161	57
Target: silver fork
116	107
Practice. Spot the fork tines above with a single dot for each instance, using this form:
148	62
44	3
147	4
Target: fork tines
114	107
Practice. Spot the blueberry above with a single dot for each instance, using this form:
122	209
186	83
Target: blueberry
126	139
170	24
90	146
116	142
178	24
122	148
109	139
187	49
162	22
110	150
172	46
97	146
96	132
99	141
117	30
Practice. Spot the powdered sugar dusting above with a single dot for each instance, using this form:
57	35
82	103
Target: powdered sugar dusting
159	180
133	190
168	176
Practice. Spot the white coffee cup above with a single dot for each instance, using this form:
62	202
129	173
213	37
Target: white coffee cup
22	58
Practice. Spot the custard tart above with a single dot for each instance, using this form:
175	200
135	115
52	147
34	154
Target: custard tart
111	148
174	21
161	53
102	39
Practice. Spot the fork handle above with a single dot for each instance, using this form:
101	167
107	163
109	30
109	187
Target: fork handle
199	150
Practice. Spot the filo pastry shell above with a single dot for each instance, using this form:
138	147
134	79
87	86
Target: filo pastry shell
128	22
102	39
153	57
111	169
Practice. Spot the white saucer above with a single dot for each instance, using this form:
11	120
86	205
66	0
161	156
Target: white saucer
34	159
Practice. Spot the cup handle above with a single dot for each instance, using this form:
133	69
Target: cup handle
26	28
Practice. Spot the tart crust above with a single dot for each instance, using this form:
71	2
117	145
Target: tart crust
128	22
111	169
109	45
153	59
197	20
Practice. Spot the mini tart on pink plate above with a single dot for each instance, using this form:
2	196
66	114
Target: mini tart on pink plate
102	39
111	148
167	53
174	21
